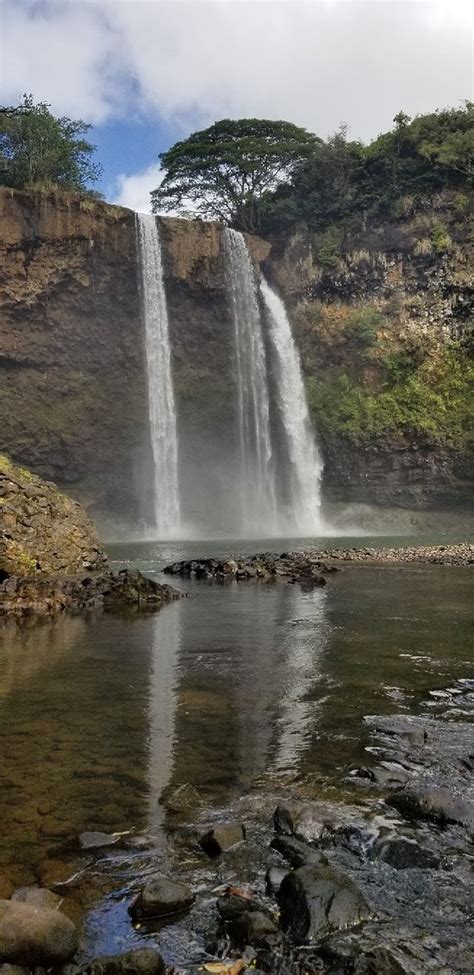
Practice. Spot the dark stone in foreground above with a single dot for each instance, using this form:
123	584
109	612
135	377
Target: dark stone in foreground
35	936
404	854
317	899
161	897
45	596
142	961
254	928
222	838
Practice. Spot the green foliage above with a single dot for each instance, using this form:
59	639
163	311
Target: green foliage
228	171
432	404
344	183
440	239
39	150
361	328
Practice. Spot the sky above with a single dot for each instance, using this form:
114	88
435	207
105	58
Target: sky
146	73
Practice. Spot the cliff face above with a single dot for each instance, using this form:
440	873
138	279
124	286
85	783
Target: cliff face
384	320
73	396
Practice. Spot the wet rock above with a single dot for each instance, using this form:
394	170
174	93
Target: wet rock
232	905
221	838
141	961
94	840
37	897
161	897
299	819
254	928
295	851
434	803
8	969
35	936
273	879
390	949
318	898
404	854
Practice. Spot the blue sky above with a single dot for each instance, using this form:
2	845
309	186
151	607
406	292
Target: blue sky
148	72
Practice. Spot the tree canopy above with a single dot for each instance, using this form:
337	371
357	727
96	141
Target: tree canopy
39	150
226	171
341	181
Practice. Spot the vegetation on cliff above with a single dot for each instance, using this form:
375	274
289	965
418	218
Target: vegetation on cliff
38	150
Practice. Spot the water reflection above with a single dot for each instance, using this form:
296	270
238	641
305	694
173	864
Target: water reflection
101	718
165	649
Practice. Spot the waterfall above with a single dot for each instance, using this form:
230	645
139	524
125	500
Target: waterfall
305	464
255	473
161	405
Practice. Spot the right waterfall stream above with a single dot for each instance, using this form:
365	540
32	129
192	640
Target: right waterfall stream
300	513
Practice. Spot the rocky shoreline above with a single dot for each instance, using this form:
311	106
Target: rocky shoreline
378	884
45	596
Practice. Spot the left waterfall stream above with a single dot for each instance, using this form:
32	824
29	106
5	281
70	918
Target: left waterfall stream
161	401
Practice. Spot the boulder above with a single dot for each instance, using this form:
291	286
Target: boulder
300	819
295	851
37	897
161	897
317	899
434	803
254	928
141	961
404	854
221	838
35	936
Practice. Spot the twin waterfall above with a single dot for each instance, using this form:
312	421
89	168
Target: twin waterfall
275	490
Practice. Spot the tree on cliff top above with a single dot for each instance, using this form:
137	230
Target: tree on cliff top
226	171
39	150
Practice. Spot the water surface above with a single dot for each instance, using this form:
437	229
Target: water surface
236	689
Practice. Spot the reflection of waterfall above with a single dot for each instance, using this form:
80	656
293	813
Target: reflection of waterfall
161	403
305	466
162	708
256	486
297	671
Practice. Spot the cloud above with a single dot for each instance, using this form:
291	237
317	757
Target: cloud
316	63
134	191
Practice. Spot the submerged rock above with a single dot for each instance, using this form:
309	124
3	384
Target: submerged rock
37	897
299	819
96	840
35	936
161	897
221	838
141	961
319	898
404	854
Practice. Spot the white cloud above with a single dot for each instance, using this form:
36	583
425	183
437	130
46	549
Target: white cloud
315	63
134	191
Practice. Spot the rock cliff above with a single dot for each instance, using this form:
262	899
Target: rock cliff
73	396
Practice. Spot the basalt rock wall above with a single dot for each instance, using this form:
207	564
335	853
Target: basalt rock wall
73	395
73	392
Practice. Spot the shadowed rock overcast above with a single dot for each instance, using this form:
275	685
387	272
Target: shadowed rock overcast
135	68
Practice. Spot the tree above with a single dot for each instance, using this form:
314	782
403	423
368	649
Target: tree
226	171
39	150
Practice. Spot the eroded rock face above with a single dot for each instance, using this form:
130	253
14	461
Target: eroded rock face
35	936
43	531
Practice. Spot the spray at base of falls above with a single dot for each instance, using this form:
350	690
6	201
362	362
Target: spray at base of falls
256	474
305	463
161	403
